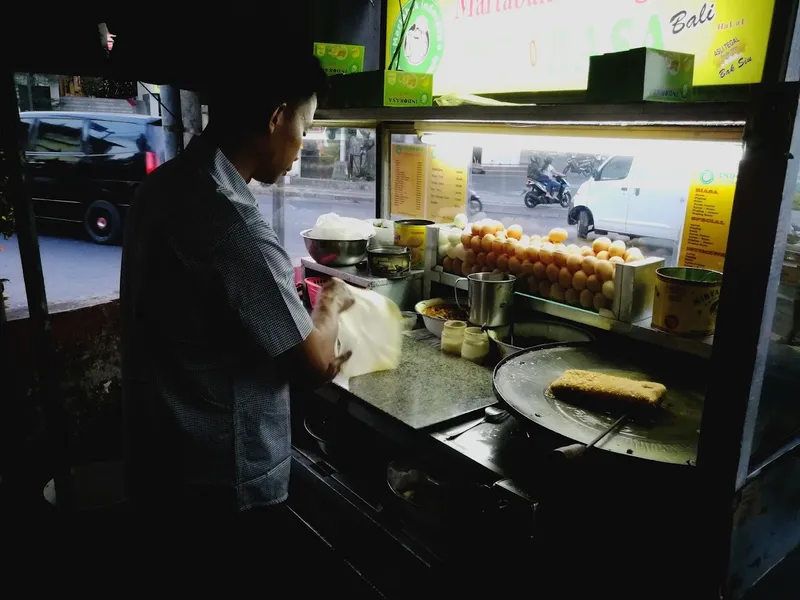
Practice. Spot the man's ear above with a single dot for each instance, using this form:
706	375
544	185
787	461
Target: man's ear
277	117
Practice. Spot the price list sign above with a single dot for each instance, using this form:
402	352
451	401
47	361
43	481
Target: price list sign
447	183
407	183
708	215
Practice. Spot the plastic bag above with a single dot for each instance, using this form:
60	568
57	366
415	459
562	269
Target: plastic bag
331	226
372	330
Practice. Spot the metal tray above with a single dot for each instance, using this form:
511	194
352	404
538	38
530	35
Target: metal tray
669	435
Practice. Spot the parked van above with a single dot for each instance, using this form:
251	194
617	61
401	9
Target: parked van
637	196
85	167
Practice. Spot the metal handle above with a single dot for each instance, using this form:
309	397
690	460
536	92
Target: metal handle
456	292
624	189
568	453
637	190
453	436
575	451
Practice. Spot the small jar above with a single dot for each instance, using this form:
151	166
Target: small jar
453	336
409	320
476	345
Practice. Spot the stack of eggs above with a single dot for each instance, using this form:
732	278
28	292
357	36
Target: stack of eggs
549	268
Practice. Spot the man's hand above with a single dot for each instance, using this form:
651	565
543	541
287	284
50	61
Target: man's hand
336	295
337	363
314	362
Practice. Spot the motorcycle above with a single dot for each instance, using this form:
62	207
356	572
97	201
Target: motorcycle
474	204
536	193
582	164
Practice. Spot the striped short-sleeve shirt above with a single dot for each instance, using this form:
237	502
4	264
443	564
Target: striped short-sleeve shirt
208	302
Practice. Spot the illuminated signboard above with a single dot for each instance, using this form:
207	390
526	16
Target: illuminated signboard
484	46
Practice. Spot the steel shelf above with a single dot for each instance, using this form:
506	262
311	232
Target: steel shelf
641	331
358	277
697	114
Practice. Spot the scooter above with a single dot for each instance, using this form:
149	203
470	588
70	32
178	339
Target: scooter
474	205
536	193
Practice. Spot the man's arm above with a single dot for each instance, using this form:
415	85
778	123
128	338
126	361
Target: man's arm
314	361
258	278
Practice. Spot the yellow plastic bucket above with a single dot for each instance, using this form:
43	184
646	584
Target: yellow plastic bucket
686	300
411	233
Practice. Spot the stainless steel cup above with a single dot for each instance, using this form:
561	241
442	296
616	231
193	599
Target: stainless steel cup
490	297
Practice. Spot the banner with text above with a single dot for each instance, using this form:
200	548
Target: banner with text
485	46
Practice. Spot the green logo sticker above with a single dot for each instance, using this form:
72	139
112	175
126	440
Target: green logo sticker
422	47
707	177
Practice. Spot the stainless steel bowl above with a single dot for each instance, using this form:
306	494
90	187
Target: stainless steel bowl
335	253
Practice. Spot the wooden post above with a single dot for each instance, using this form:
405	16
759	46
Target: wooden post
42	333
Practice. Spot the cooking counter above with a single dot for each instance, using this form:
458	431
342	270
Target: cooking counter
427	388
429	395
494	478
432	394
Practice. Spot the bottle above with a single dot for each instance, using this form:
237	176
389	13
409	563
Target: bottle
475	346
453	336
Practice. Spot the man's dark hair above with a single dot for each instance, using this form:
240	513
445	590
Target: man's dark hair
244	102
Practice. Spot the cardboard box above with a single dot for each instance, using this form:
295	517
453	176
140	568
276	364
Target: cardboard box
381	88
641	74
340	59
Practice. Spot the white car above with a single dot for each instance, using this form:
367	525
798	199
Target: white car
637	196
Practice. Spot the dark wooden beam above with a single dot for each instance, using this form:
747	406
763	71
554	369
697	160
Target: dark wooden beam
28	240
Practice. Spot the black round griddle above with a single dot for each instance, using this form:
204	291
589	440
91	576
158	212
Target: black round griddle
667	434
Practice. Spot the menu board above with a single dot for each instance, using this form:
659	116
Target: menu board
489	46
408	175
447	183
708	214
429	182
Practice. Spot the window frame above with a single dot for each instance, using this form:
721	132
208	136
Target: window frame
609	162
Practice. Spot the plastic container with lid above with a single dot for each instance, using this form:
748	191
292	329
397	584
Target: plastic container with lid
453	336
476	344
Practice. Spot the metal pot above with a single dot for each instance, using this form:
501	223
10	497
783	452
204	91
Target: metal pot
314	429
490	297
391	262
416	494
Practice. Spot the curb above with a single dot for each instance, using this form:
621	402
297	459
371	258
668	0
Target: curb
327	184
302	194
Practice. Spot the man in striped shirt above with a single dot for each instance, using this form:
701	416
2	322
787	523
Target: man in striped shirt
213	329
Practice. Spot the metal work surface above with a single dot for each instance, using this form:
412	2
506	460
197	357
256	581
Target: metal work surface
427	387
669	435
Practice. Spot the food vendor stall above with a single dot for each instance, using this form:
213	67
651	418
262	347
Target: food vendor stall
458	469
669	264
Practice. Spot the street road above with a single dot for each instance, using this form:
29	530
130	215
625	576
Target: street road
76	269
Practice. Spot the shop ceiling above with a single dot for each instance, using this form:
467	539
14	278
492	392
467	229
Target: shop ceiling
189	52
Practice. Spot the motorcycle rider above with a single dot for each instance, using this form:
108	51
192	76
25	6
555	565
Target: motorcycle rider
548	175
